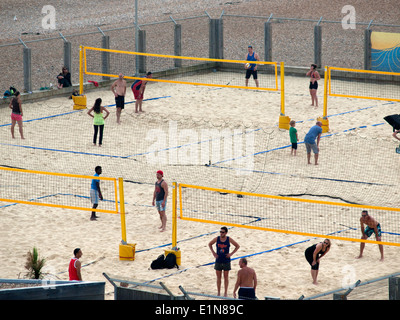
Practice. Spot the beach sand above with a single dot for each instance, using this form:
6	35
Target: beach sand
277	258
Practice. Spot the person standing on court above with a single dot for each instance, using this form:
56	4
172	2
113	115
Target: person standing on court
372	226
98	120
246	282
293	137
252	69
138	87
314	254
118	88
223	257
16	114
75	266
160	198
95	192
314	77
64	78
313	134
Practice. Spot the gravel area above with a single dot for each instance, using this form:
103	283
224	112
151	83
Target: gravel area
292	40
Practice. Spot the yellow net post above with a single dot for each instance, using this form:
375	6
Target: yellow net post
174	249
174	216
283	120
324	119
326	75
126	250
80	101
122	209
80	70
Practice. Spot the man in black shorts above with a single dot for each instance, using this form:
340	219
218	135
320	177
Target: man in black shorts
223	257
119	90
251	68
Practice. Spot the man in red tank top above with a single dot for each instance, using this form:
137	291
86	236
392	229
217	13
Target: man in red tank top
75	266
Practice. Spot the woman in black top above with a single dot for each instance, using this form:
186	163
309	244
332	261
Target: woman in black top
314	254
64	79
16	114
314	77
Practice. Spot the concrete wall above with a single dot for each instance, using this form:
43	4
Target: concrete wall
54	290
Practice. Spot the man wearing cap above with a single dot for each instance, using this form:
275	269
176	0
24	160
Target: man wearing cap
252	69
160	198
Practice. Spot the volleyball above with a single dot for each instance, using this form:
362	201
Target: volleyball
247	65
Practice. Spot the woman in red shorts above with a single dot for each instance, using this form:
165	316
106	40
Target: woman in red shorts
138	88
16	114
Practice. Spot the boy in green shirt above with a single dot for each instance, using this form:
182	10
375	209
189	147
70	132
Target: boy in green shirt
293	136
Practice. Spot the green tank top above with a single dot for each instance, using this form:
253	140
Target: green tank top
98	119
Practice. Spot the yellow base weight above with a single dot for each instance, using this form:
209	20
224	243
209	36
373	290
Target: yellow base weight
79	102
177	253
325	124
127	251
284	122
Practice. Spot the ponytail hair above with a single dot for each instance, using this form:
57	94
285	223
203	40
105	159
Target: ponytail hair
97	105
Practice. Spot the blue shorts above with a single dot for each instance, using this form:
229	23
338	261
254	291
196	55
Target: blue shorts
369	231
159	203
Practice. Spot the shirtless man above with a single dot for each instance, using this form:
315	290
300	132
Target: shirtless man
373	226
314	77
247	281
119	90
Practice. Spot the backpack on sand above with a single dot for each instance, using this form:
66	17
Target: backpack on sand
170	261
159	263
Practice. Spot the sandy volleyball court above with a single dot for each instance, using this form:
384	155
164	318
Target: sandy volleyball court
277	258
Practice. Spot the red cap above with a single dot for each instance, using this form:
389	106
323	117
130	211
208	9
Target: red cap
160	172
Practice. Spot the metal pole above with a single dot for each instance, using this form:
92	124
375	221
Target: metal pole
326	75
282	88
136	37
80	70
122	209
174	215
